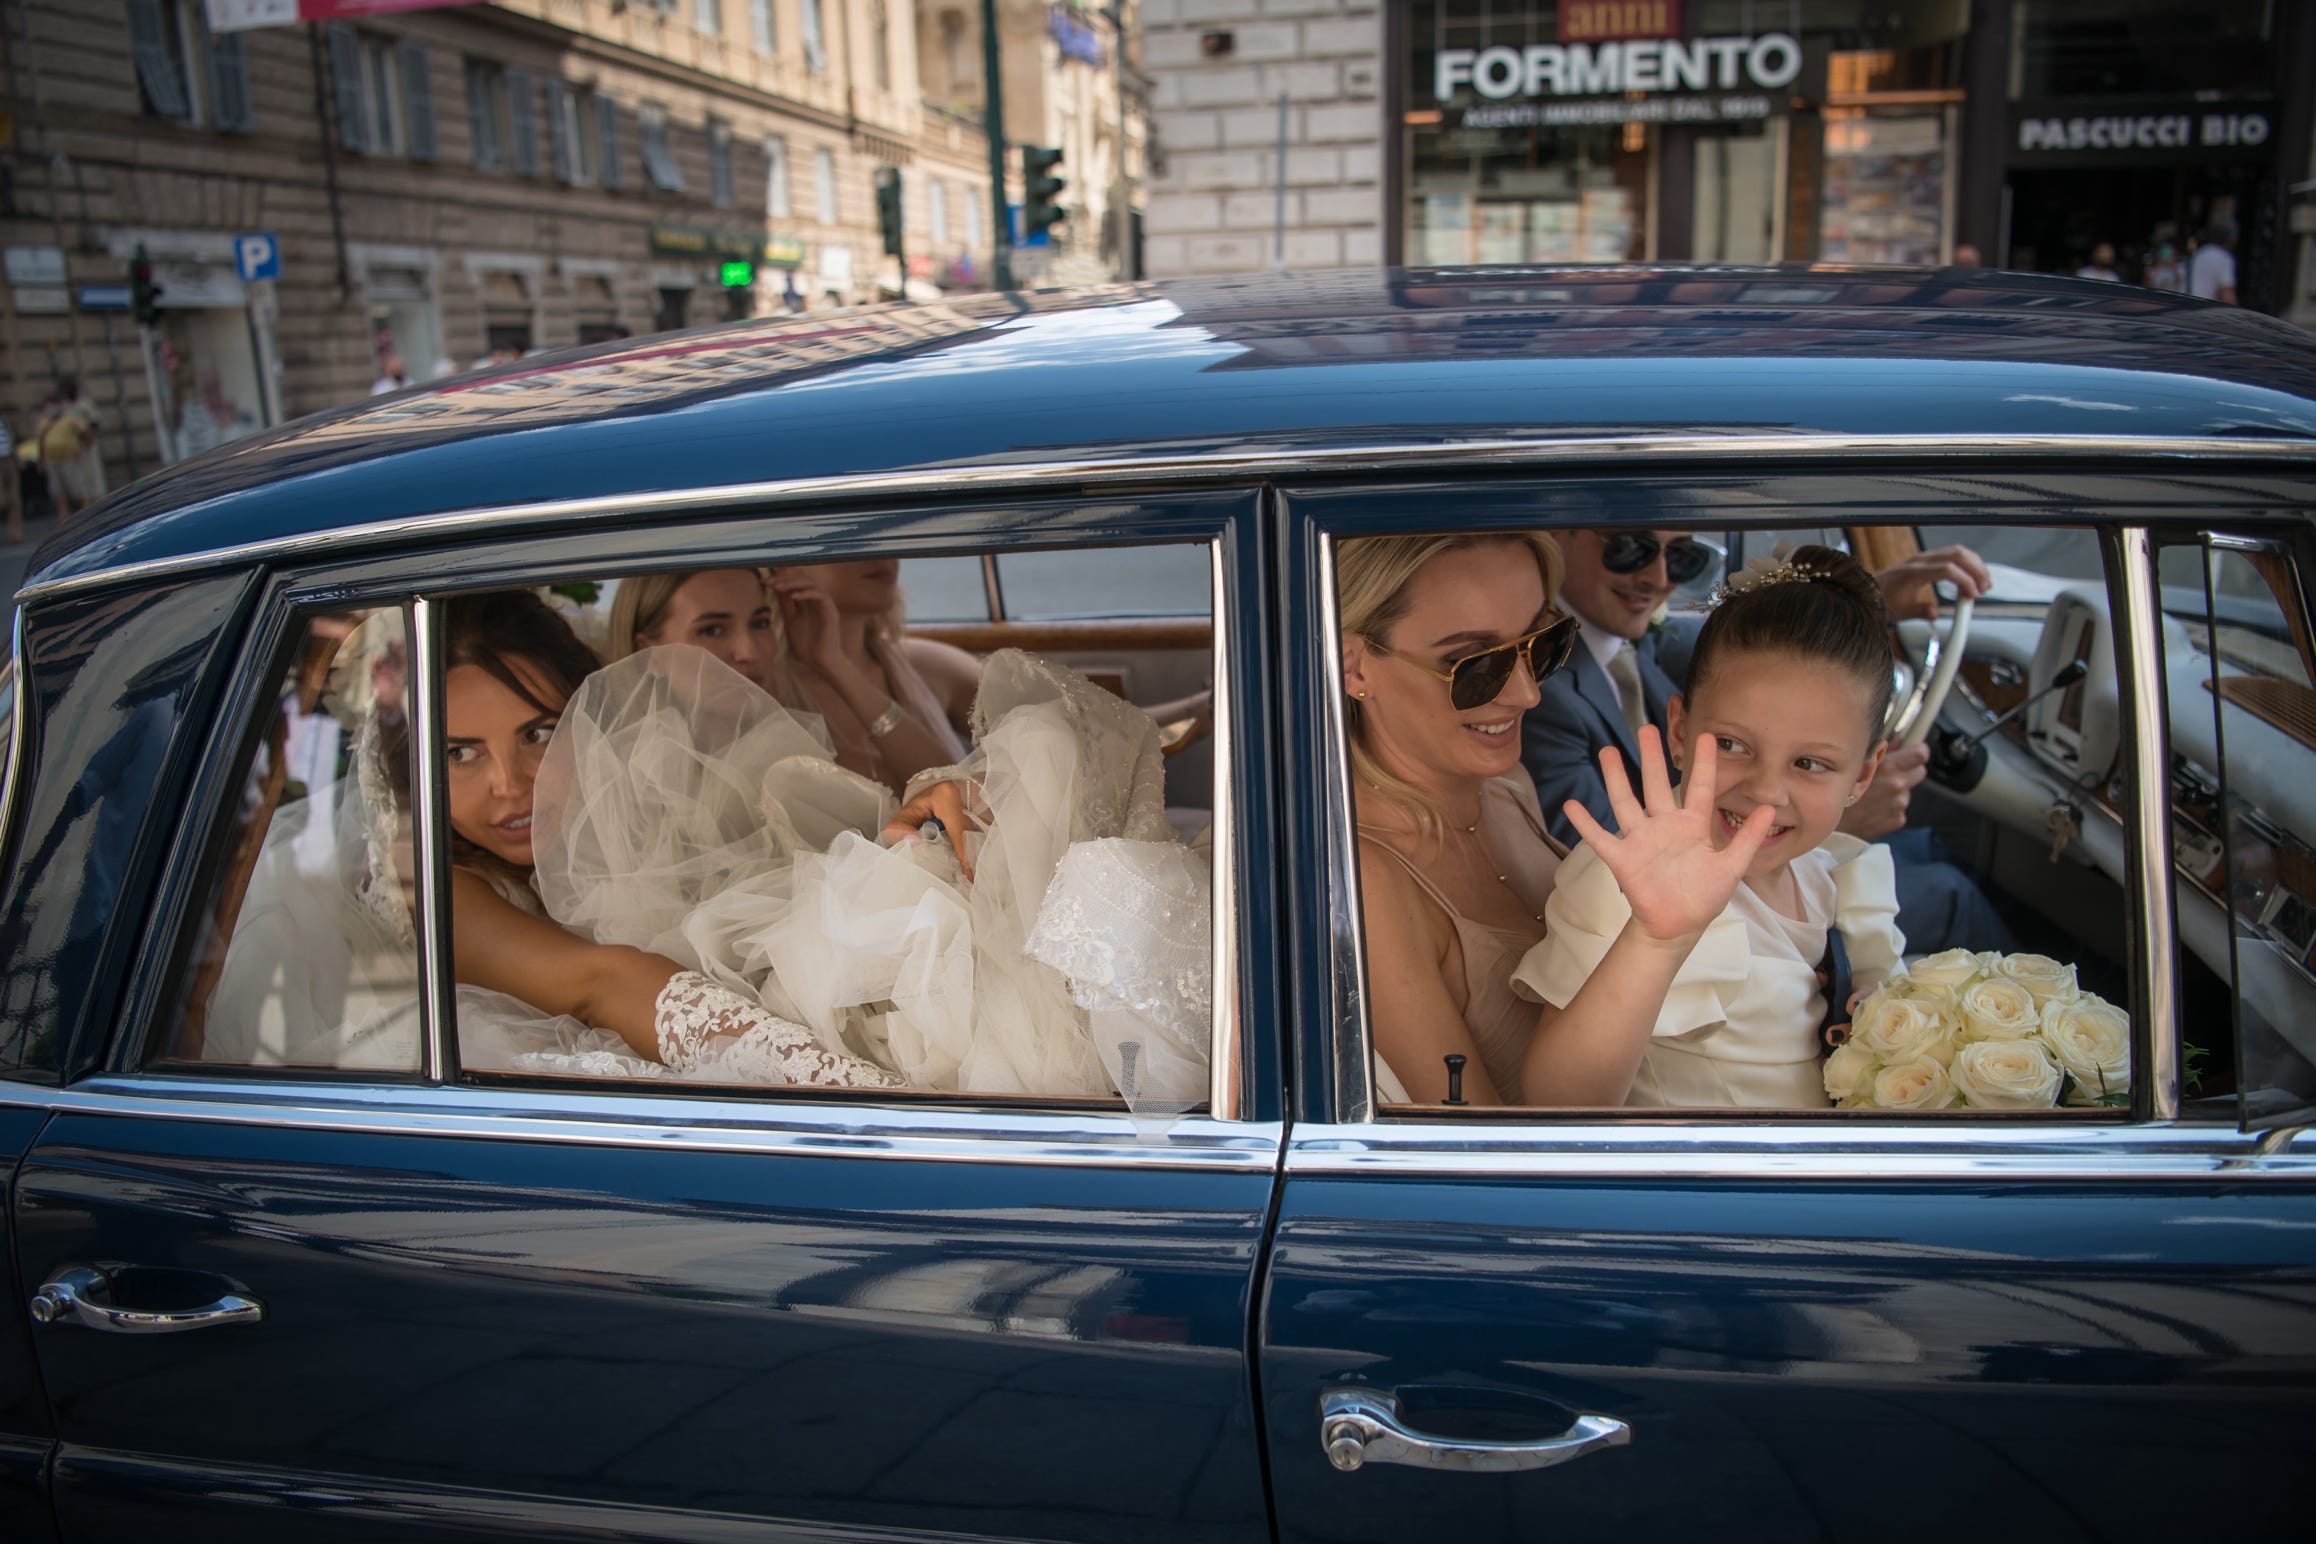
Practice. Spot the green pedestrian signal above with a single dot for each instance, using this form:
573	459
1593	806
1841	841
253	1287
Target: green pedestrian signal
1039	187
736	273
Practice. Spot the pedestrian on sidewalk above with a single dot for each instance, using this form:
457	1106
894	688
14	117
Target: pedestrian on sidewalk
2211	273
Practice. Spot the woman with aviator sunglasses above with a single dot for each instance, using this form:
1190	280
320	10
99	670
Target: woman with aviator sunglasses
1444	640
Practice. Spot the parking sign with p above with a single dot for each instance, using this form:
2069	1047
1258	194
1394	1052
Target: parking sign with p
257	256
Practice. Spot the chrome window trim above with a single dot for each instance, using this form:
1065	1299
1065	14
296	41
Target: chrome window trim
1039	477
19	704
1347	951
2150	755
438	993
1068	1138
1856	1152
1225	1086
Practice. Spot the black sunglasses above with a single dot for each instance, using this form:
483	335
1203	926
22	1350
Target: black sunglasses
1479	679
1686	558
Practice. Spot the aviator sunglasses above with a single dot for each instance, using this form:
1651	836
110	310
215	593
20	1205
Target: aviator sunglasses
1476	680
1686	558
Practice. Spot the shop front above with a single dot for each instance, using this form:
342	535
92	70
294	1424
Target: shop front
1711	130
2143	126
212	358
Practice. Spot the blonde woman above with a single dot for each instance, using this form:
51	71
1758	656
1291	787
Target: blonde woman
894	705
1444	640
726	611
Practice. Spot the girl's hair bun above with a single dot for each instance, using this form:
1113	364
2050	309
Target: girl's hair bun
1815	602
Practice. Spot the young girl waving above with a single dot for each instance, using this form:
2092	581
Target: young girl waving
1791	678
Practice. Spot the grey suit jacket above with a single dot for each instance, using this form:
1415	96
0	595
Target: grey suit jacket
1562	735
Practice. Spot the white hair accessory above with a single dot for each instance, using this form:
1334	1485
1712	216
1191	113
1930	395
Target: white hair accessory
1774	568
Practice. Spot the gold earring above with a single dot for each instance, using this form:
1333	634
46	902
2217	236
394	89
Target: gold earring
1362	696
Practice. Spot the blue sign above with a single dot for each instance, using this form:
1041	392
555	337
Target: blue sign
103	297
257	256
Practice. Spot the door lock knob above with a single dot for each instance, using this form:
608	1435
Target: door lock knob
1346	1445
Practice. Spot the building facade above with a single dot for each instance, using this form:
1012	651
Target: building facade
1866	131
442	186
1069	84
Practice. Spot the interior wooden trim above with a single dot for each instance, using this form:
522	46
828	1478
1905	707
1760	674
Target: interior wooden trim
1066	637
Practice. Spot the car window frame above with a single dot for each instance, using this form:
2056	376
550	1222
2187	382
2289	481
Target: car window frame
1224	518
1344	1130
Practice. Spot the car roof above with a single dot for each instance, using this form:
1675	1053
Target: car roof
1212	366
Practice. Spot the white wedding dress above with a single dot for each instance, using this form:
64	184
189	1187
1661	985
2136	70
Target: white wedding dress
682	810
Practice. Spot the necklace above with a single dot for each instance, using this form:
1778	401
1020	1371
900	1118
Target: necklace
1487	859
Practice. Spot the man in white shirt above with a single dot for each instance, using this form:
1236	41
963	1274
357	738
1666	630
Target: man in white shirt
2211	273
1614	582
2101	265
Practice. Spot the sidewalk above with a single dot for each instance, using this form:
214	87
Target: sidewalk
16	557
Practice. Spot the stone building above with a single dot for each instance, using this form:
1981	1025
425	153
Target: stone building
442	185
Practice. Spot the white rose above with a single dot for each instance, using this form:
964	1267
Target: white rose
1901	1022
2045	977
1844	1069
2006	1075
1999	1008
1954	969
2091	1039
1921	1084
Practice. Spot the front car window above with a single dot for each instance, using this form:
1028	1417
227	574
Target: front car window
1959	951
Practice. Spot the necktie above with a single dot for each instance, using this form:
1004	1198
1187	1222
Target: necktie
1624	671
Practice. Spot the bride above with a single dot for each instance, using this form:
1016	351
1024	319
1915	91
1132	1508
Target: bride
1055	942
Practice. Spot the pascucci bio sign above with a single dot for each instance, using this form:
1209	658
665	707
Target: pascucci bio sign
1769	62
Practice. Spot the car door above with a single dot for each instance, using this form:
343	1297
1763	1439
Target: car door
420	1303
93	699
1602	1324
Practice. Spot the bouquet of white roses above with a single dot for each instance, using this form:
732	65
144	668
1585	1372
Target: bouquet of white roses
1987	1031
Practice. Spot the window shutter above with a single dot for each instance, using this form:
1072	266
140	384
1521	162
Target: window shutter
523	108
418	98
658	155
815	48
232	110
611	172
561	153
480	118
157	62
346	85
719	165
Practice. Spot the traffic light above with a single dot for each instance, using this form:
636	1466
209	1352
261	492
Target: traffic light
144	294
889	207
1039	186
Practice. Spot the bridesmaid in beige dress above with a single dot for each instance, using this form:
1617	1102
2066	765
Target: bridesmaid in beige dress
1444	638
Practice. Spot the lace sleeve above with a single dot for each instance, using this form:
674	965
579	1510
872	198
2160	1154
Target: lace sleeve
712	1034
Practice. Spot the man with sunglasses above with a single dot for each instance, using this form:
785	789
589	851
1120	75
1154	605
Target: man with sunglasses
1624	670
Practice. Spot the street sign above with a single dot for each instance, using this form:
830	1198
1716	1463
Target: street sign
34	265
257	256
42	300
103	297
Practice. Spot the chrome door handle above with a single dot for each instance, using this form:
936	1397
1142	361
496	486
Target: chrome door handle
77	1295
1362	1426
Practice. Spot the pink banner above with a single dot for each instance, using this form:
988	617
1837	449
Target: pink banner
343	10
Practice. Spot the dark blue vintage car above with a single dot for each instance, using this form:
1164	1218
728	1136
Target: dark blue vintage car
373	1292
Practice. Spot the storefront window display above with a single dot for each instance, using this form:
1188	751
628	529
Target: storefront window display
1742	131
206	366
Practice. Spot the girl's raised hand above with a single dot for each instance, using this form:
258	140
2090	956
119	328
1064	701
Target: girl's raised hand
1662	854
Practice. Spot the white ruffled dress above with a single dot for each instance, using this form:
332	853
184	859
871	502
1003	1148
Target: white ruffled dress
1739	1029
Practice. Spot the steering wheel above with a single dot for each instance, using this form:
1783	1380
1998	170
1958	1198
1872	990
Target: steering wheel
1942	659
